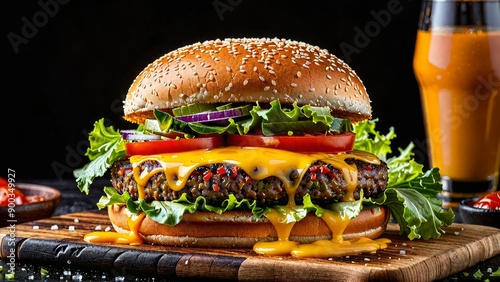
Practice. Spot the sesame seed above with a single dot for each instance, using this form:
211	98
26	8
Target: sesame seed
328	76
266	88
293	84
299	74
261	78
312	89
245	82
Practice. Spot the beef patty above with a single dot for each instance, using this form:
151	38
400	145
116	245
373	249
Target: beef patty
324	183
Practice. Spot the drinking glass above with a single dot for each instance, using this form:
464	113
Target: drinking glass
457	65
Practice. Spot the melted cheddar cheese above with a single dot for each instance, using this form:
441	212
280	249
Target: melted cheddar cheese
131	238
259	163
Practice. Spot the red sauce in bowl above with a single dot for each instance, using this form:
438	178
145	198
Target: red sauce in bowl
489	201
10	194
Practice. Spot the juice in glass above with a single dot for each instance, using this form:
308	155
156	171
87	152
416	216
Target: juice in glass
458	70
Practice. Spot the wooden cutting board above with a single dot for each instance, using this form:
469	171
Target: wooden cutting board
58	240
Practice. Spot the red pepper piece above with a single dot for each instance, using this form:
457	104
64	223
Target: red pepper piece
207	175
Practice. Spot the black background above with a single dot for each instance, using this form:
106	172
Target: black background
70	63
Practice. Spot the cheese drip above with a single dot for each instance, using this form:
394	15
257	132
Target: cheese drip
335	247
260	163
132	238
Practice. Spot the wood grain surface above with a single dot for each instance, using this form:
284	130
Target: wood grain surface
59	240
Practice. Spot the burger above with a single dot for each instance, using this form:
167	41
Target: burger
256	142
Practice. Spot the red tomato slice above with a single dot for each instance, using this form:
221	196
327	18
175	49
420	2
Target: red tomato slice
172	146
336	143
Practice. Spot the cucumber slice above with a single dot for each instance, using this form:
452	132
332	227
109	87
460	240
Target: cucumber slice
225	107
193	109
152	125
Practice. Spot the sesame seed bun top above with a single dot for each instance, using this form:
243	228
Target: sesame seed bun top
248	70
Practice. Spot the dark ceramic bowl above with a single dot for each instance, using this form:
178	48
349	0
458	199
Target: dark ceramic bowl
32	211
481	216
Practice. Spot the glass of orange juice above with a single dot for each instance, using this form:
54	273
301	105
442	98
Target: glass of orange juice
457	66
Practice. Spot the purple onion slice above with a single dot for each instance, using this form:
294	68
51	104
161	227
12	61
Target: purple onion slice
217	115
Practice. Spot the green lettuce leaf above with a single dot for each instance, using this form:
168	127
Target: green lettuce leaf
164	212
112	197
278	120
403	168
106	147
349	209
411	194
291	214
370	140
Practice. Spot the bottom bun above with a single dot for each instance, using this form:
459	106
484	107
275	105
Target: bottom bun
237	229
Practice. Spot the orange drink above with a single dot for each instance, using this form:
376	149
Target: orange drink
458	70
